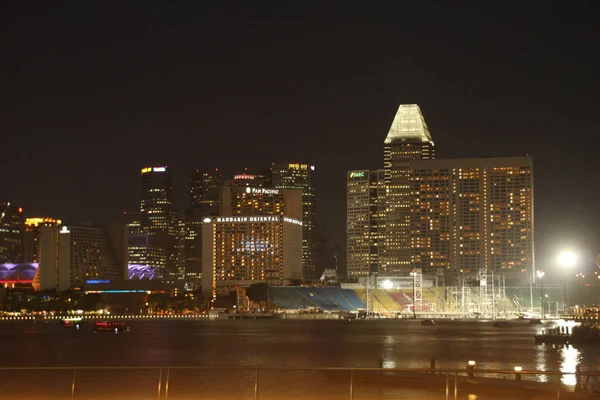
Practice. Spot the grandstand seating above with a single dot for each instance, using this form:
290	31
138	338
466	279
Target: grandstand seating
324	298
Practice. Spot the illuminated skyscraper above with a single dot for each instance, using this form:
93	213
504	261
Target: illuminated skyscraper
408	140
158	220
472	214
300	177
12	224
204	191
205	200
242	250
85	253
365	222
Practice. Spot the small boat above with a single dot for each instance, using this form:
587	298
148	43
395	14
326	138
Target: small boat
501	324
428	322
112	326
71	322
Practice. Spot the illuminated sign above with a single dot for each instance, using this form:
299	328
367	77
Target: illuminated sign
357	174
97	281
267	218
206	220
155	169
250	190
243	176
65	230
293	221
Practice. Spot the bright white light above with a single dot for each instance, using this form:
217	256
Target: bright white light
567	259
159	169
518	369
64	230
387	284
207	220
540	274
471	363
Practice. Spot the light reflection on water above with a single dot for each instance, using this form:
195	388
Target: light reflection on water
541	354
570	357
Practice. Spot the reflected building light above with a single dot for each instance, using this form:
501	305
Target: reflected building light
570	357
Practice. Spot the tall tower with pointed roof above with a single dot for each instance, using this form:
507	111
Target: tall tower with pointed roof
408	140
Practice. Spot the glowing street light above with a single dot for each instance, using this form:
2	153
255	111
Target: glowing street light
387	284
567	259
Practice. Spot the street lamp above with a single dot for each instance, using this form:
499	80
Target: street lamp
540	275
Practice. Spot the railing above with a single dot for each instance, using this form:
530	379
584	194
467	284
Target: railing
339	383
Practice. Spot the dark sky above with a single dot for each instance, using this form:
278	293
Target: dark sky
92	91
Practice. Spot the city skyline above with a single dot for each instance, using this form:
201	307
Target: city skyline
78	110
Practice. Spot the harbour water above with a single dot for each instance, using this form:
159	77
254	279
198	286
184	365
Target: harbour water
273	343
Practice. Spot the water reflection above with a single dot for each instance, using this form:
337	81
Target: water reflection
570	357
541	352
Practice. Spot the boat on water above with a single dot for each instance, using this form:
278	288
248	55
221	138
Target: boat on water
428	322
111	326
71	322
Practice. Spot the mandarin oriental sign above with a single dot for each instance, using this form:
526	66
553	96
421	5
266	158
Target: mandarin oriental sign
266	218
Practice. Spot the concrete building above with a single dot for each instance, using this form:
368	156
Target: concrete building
12	226
241	250
472	214
41	248
251	200
301	177
408	140
85	253
365	222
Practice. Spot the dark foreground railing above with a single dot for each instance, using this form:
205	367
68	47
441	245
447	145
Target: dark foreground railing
224	383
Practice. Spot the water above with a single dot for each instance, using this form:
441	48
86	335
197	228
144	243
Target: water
273	343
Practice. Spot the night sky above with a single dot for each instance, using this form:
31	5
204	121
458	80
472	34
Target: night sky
93	91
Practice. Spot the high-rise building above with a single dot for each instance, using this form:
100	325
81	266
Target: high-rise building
408	140
205	200
300	177
204	191
472	214
158	220
85	254
41	248
11	233
365	222
242	250
251	200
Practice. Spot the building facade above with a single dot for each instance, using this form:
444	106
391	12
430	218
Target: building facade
205	187
365	222
159	221
252	200
408	140
301	177
241	250
85	254
473	214
12	226
41	248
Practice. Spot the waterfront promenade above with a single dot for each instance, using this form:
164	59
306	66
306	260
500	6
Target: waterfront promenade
254	383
